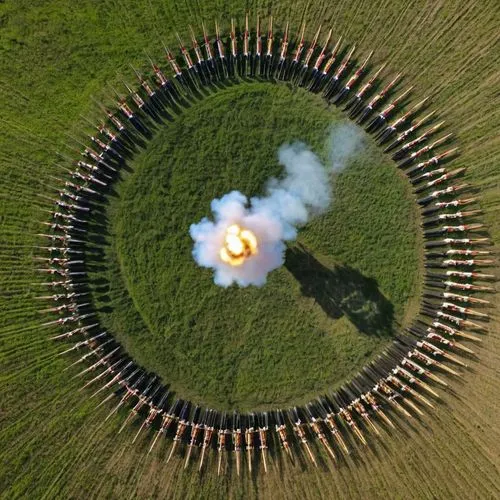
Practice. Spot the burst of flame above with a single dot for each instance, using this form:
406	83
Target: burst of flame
239	244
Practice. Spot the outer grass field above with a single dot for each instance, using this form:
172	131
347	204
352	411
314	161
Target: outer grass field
54	57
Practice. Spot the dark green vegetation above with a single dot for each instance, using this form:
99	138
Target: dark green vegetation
54	56
319	319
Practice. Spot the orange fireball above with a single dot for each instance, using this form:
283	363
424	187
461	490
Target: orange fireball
239	244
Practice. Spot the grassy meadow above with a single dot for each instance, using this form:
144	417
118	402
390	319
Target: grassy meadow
283	346
334	305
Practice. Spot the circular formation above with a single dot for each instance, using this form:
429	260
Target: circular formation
401	379
331	308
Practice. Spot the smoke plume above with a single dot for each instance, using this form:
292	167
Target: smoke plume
305	191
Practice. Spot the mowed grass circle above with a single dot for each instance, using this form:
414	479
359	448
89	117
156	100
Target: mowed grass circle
349	282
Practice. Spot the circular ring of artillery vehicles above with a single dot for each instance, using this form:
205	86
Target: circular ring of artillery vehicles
403	380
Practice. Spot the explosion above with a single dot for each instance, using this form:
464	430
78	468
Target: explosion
246	239
239	244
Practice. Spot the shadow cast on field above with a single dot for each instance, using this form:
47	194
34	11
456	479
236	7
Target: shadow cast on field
342	291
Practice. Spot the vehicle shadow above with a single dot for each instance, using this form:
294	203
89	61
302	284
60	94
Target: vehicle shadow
341	291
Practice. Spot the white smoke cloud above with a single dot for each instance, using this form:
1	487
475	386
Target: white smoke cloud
289	203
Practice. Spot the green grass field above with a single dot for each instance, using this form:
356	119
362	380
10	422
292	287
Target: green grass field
56	56
333	306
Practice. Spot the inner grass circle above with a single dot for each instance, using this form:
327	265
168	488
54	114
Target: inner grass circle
349	283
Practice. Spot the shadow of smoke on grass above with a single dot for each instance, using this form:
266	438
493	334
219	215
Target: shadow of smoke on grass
342	291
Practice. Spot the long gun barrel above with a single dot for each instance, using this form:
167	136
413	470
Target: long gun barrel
208	431
297	426
182	425
167	420
222	434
